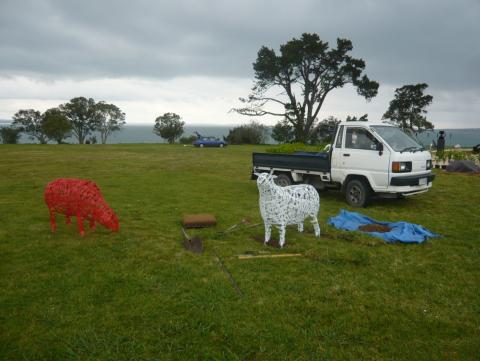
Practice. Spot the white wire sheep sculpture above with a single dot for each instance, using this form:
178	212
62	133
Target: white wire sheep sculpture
281	206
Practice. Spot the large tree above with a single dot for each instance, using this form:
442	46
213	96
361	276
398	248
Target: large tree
407	109
30	122
81	113
55	125
306	70
169	126
108	119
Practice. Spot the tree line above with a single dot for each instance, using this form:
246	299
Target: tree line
79	117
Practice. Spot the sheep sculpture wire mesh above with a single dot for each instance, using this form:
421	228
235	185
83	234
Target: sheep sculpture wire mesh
282	206
80	198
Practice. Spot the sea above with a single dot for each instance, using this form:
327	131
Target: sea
143	133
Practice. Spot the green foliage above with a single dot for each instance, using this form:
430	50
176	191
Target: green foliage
81	113
169	126
363	118
108	119
55	125
188	140
30	122
252	133
307	70
283	132
295	147
455	155
408	107
10	135
325	130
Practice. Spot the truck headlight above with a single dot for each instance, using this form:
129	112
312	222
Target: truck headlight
401	167
429	164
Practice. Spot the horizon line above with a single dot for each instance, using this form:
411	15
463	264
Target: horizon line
6	121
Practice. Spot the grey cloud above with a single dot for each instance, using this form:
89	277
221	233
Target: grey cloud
401	42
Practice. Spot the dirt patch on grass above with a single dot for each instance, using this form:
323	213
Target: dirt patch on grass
194	244
374	228
260	239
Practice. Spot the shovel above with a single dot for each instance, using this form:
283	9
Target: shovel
192	244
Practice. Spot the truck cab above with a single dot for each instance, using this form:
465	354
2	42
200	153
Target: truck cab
378	158
365	158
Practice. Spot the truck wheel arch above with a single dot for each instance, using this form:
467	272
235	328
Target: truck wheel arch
356	176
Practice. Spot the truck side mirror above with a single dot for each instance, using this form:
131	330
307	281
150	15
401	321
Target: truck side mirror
380	148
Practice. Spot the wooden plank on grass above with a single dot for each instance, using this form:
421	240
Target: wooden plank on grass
281	255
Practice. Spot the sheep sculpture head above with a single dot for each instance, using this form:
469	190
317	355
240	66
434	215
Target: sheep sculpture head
265	178
281	206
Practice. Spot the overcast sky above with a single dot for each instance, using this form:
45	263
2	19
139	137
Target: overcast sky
195	58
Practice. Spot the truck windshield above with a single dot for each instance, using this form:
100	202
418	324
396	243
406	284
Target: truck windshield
397	139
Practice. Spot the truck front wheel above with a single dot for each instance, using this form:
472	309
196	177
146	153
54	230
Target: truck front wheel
357	193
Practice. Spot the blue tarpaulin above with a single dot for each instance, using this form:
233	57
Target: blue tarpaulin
399	231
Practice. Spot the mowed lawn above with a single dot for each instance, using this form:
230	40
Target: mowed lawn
138	295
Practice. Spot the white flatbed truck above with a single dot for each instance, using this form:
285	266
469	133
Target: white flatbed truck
364	159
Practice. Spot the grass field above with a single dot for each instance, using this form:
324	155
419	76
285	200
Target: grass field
138	295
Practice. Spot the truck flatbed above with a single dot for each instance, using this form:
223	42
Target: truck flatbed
306	161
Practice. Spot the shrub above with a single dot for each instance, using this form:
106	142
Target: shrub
295	147
455	155
188	140
253	133
10	135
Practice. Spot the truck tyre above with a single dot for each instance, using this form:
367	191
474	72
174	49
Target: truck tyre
283	180
357	193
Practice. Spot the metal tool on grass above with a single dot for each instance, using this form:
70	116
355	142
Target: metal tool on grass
244	222
193	244
229	275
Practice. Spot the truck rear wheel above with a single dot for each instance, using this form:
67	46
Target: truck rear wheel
357	193
283	180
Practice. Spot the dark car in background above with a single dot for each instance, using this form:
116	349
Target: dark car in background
209	142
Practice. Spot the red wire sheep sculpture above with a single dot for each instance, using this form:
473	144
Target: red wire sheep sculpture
80	198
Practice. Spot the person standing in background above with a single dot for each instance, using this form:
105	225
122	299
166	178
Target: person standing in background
441	142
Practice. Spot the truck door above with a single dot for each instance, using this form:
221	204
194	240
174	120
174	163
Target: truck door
359	154
336	170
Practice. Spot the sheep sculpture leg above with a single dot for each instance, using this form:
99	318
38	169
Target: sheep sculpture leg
53	225
300	227
281	240
316	226
81	230
268	232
